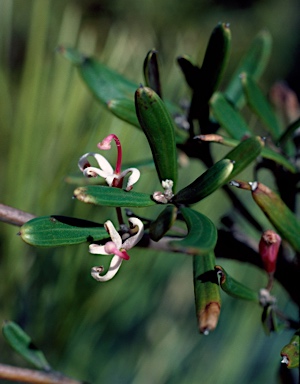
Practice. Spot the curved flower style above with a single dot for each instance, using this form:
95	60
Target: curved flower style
114	178
117	247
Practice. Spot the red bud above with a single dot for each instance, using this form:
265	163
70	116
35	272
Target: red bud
268	249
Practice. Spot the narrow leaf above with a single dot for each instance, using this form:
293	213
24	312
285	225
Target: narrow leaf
212	179
202	234
112	197
207	292
151	72
234	288
191	72
124	109
159	130
260	105
54	230
228	117
23	345
160	226
254	62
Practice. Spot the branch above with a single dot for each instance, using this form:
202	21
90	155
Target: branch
25	375
14	216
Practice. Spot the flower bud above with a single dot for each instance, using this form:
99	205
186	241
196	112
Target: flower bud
268	249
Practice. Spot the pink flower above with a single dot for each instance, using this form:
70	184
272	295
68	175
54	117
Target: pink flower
117	247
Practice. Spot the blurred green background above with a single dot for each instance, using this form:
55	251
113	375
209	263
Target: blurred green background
141	326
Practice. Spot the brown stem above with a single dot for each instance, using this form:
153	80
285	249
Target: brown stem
14	216
25	375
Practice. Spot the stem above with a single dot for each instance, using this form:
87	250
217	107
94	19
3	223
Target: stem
14	216
25	375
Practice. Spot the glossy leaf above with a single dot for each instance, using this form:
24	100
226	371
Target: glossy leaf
191	72
151	72
207	292
234	288
202	234
266	152
260	105
124	109
290	352
112	197
163	223
228	117
159	130
243	154
215	61
54	230
212	179
23	345
254	62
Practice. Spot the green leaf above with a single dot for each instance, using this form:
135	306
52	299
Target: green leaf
290	352
54	230
202	234
191	72
151	72
254	62
269	320
162	223
243	154
278	213
260	105
23	345
267	153
288	132
215	61
228	117
207	292
124	109
213	178
112	197
159	130
233	288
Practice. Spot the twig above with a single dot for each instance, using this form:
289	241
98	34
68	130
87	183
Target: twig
14	216
25	375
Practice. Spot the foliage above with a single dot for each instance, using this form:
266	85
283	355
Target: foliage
172	220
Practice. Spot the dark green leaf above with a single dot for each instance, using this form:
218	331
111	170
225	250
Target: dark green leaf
233	288
151	72
23	345
112	197
163	223
260	105
159	130
202	234
54	230
124	109
207	183
254	62
290	352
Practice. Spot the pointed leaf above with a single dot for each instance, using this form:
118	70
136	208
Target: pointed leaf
215	61
191	72
207	292
288	133
290	352
124	109
228	117
162	223
269	320
151	72
23	345
159	130
202	233
260	105
112	197
254	62
207	183
233	288
54	230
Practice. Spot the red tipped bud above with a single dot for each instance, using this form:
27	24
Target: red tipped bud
268	249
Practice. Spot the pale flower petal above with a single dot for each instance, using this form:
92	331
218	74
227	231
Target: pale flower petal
96	249
113	233
133	178
115	265
133	240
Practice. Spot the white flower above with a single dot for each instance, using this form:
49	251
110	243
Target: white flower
117	247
